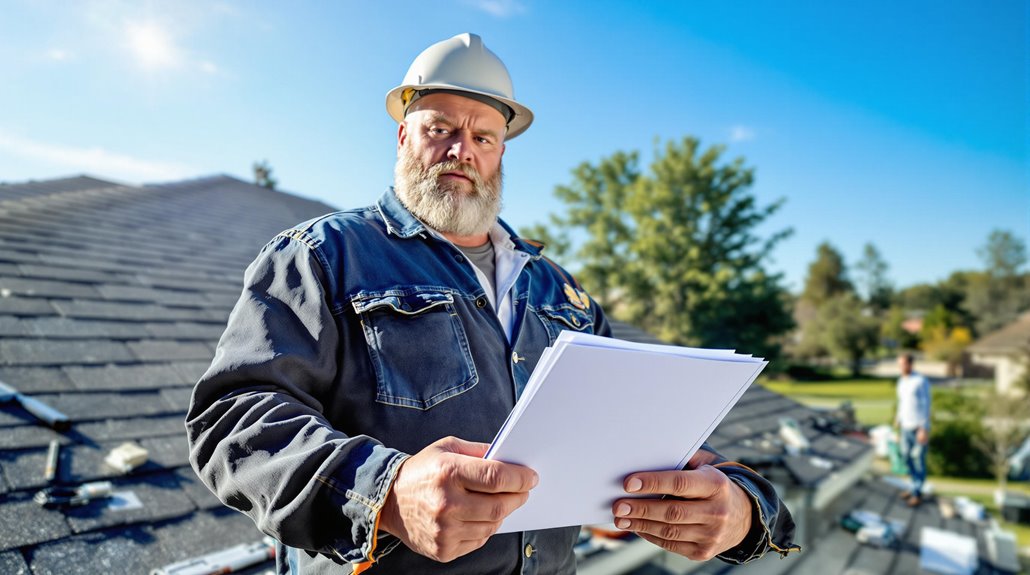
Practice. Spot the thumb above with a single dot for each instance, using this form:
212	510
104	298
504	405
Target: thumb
462	447
702	457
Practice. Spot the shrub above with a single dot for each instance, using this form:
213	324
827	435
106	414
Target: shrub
955	435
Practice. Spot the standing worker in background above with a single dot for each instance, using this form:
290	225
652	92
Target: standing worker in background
374	352
913	421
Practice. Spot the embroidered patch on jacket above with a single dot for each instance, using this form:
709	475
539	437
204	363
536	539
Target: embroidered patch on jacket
578	298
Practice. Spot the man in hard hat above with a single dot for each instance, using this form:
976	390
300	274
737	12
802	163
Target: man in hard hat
374	353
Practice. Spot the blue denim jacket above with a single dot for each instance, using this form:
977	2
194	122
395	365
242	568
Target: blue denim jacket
360	338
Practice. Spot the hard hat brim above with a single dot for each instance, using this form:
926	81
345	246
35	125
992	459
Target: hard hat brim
518	124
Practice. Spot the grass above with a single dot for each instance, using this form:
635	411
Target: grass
873	399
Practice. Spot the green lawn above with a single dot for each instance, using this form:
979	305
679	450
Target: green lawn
873	399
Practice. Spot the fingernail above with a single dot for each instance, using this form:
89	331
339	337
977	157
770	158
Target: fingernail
634	485
622	523
535	482
622	510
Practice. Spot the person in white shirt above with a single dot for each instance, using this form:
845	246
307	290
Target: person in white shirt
913	421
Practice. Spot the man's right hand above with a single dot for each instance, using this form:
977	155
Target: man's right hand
446	500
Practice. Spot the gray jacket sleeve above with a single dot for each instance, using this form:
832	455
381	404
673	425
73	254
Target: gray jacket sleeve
257	435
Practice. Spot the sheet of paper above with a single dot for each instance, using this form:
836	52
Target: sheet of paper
597	411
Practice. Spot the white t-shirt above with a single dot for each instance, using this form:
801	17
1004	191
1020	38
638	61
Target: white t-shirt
913	401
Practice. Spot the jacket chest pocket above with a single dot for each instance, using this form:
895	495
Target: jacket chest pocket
417	345
559	318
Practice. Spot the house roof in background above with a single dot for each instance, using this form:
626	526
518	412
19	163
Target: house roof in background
112	299
1012	338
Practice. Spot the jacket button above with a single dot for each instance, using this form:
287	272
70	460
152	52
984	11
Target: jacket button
575	321
529	550
515	357
480	302
459	258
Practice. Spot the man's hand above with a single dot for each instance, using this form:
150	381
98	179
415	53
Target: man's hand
922	438
446	501
715	516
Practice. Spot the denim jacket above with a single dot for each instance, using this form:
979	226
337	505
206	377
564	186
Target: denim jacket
359	339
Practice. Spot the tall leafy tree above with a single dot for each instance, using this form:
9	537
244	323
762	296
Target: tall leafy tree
872	278
827	276
674	250
843	329
1002	292
595	204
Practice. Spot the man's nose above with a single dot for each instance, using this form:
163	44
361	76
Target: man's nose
461	148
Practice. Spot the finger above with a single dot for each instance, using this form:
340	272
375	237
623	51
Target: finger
482	507
488	476
692	484
667	531
665	510
687	549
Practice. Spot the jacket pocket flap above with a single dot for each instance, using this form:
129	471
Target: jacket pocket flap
402	303
571	317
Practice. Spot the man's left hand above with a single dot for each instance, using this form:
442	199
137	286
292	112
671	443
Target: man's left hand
714	514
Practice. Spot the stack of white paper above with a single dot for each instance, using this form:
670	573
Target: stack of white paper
597	409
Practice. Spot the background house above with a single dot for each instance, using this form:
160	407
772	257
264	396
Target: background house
1007	351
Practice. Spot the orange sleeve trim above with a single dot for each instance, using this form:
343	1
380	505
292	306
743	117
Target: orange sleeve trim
366	565
724	463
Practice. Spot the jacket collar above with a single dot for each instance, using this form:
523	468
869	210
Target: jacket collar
402	223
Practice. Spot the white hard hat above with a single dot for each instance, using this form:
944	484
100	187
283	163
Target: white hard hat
461	64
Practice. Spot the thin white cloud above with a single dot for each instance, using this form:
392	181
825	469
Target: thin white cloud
208	67
58	54
498	8
95	160
741	133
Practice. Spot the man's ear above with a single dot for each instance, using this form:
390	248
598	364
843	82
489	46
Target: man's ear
402	134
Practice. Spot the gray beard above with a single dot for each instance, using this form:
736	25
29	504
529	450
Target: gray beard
447	207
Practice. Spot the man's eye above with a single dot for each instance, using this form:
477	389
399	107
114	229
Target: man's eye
438	131
483	140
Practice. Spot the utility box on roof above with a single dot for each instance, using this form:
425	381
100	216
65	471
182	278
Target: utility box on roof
1015	507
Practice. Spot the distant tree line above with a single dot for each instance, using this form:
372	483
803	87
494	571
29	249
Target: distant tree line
850	322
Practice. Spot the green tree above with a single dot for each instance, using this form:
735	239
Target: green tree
893	331
872	277
843	328
674	250
827	276
1004	254
595	203
1005	429
263	175
998	296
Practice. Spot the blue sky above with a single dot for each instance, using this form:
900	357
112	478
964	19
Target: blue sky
902	124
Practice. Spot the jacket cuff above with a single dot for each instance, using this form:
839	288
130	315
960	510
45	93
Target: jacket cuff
765	518
362	504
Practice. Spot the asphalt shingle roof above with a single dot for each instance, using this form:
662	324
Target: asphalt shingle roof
112	299
1012	338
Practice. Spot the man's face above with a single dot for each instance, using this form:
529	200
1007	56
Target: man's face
448	170
905	365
